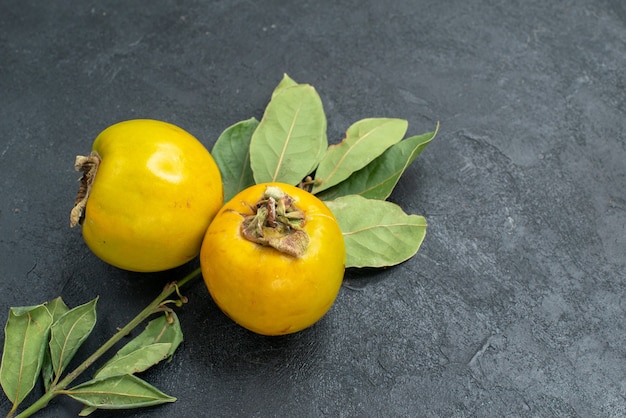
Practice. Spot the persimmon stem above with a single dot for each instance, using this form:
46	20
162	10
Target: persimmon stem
155	306
277	223
88	165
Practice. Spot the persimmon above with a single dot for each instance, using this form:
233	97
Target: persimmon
148	193
273	259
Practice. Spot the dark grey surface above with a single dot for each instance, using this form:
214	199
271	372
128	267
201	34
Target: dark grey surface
515	305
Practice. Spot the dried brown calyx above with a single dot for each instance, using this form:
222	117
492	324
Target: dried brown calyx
277	223
88	165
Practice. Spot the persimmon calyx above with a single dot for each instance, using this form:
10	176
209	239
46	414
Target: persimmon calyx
88	165
277	223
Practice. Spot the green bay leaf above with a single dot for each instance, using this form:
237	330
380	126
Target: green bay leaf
378	179
155	343
118	392
232	155
57	308
377	233
365	140
291	137
25	337
69	332
137	361
158	330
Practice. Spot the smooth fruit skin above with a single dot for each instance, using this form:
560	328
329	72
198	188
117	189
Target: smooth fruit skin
154	195
262	289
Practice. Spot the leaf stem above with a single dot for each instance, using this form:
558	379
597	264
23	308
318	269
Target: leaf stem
153	307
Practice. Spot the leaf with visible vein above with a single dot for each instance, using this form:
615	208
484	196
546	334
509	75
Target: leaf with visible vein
378	179
291	137
157	342
25	337
136	362
57	308
377	233
118	392
232	155
158	330
69	332
365	140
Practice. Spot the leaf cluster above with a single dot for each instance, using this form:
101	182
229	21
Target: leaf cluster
354	177
42	340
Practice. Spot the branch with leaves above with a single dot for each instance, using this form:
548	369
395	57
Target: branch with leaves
43	339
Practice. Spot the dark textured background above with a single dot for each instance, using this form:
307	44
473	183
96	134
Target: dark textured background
515	305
